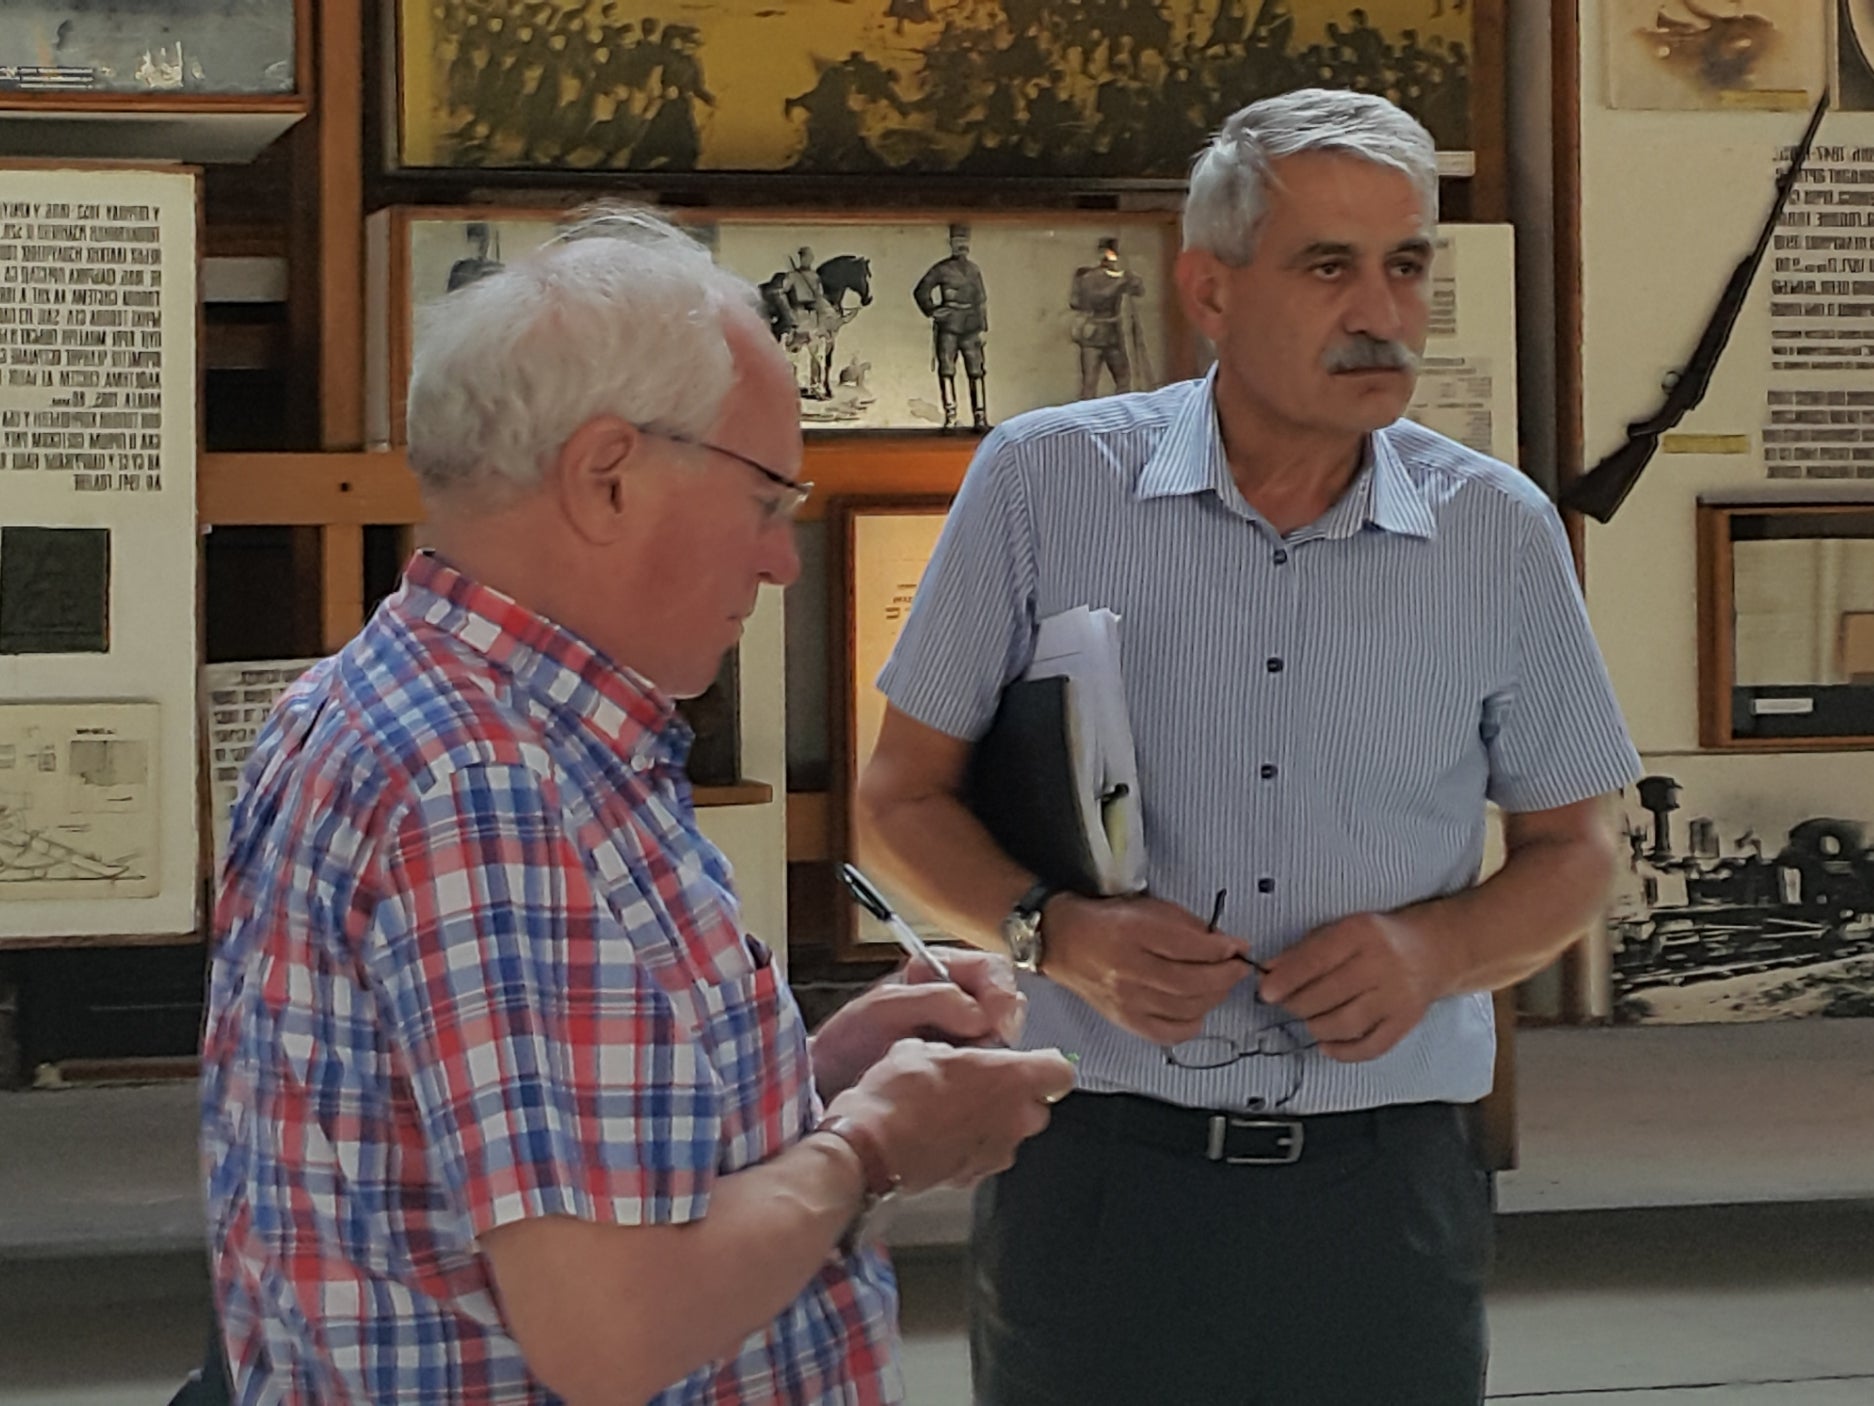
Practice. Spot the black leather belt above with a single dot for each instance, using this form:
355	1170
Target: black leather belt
1234	1139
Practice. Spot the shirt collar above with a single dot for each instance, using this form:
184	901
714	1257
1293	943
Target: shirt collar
624	709
1189	460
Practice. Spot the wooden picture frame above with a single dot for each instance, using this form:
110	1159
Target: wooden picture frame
942	89
97	42
877	548
867	355
62	111
1668	57
1736	714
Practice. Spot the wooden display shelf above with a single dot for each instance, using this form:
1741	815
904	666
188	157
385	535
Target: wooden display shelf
77	940
368	487
128	127
128	1069
884	465
360	489
742	793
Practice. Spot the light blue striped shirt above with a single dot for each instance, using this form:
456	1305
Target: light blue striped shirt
1319	717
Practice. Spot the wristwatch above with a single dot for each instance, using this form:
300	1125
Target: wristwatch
1022	928
881	1183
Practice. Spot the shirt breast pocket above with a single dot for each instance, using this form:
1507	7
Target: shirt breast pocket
752	1035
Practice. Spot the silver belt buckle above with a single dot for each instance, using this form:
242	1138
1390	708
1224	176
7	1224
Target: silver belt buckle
1221	1123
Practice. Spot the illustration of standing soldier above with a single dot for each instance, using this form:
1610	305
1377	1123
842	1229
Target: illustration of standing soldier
1108	331
951	294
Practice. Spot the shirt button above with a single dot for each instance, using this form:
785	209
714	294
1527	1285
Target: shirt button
1265	886
1275	666
1267	772
1281	557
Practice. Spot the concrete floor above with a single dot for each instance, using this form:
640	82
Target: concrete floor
1693	1225
1762	1305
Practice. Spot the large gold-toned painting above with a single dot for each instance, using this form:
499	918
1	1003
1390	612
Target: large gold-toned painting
1107	88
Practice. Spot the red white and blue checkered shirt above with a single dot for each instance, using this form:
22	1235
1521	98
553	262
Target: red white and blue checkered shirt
474	963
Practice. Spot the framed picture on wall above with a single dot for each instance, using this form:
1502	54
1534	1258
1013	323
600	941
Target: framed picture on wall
1123	91
136	48
1685	54
878	549
907	321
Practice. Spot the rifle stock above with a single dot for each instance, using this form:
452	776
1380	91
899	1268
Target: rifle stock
1602	489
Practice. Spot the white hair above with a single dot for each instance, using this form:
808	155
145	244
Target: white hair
1230	177
619	313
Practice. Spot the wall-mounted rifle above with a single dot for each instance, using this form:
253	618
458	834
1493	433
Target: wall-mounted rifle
1602	489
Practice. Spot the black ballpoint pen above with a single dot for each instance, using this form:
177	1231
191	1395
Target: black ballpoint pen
870	899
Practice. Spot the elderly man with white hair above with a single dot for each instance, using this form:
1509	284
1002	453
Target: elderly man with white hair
1342	634
502	1103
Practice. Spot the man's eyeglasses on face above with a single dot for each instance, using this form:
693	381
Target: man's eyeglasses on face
794	493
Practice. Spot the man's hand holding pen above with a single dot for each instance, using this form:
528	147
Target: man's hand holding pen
979	1005
906	1059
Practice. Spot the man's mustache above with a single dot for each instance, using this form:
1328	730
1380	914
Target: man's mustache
1363	353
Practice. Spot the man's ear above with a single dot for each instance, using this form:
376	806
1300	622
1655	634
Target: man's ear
1204	289
593	475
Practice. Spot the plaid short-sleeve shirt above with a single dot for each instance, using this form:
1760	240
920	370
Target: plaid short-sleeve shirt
475	963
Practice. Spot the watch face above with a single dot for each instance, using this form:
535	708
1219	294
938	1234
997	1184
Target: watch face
1023	933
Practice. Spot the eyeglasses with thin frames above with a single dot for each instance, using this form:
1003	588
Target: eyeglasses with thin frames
794	494
1285	1040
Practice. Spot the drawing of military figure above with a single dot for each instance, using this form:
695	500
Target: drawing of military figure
951	294
797	308
791	296
482	258
1108	330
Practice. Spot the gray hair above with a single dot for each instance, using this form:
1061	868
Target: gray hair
1229	178
621	313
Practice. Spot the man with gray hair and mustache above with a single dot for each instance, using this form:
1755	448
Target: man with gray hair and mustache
502	1103
1342	634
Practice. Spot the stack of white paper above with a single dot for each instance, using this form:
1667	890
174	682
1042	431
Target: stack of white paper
1082	646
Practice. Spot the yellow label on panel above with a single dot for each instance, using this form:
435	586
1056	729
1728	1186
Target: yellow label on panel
1765	100
1704	444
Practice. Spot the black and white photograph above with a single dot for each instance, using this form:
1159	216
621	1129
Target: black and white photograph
55	590
1745	891
1854	55
1715	54
1109	332
910	322
1123	89
147	46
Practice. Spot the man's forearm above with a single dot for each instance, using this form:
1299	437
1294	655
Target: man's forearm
610	1313
938	852
1517	921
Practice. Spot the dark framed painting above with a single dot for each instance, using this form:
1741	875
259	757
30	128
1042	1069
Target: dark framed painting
1077	89
878	548
897	321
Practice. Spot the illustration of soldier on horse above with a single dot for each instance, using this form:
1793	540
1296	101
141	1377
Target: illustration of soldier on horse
806	306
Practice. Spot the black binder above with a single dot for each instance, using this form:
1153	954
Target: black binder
1021	785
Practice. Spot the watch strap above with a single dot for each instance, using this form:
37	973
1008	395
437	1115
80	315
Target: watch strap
880	1181
1030	904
